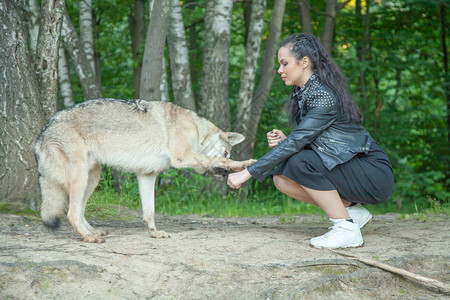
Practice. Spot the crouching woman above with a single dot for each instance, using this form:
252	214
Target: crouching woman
329	159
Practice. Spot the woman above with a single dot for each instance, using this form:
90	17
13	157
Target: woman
329	159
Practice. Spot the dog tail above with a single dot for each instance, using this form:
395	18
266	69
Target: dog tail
54	199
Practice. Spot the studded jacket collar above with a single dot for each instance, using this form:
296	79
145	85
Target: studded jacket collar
319	125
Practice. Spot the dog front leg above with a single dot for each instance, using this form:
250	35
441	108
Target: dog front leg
147	192
197	160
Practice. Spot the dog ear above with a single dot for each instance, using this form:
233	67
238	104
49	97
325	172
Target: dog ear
234	138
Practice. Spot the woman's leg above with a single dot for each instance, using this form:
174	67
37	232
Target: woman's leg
344	233
329	201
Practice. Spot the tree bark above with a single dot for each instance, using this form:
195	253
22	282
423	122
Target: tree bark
21	112
82	66
86	31
33	25
214	91
47	54
329	26
244	118
179	59
65	85
305	13
152	65
445	61
136	23
164	85
246	148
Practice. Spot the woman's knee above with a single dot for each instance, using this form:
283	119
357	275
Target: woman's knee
282	183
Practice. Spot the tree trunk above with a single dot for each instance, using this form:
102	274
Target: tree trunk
65	85
246	148
47	54
164	85
152	65
22	114
329	26
86	31
305	13
179	59
245	105
33	24
193	49
364	46
136	23
445	61
214	90
82	66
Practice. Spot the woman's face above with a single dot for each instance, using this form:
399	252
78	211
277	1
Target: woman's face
292	71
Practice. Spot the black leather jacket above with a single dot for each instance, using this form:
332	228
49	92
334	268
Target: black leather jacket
321	126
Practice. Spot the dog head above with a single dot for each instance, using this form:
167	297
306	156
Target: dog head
219	145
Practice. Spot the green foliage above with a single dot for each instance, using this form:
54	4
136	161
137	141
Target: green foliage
404	105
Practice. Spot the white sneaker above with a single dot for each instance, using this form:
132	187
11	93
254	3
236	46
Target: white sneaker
359	214
343	234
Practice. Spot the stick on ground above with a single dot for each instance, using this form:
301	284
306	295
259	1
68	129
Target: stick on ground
434	284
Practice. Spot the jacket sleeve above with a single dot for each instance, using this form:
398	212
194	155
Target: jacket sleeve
322	110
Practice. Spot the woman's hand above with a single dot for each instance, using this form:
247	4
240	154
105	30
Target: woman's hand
235	180
275	137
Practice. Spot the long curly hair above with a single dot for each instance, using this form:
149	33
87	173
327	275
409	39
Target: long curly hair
303	44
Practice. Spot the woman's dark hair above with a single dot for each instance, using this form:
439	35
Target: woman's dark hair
303	44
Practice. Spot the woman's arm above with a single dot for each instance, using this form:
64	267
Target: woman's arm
235	180
322	111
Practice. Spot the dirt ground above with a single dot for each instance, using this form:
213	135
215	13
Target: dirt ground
219	258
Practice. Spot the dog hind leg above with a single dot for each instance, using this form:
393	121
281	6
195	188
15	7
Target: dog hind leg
93	179
77	187
147	192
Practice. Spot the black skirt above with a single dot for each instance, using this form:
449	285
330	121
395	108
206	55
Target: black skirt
366	178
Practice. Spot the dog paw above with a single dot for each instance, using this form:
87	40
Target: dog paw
101	232
241	165
157	234
249	162
90	238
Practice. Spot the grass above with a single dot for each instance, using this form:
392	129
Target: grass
185	193
182	192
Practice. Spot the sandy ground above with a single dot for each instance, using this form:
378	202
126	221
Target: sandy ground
219	258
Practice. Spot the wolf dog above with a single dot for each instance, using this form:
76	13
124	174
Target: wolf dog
144	137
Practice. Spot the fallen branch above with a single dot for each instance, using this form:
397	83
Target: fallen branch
434	284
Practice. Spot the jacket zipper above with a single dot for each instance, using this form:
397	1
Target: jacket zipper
321	149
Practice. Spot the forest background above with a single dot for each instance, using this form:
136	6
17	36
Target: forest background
394	54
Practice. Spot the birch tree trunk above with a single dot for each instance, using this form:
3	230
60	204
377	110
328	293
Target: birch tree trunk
214	91
21	112
152	65
329	26
33	25
65	85
265	83
305	14
244	117
86	31
179	59
82	66
136	23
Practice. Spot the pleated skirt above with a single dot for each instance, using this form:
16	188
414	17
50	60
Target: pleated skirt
366	178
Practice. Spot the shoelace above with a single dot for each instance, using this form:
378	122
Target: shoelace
334	230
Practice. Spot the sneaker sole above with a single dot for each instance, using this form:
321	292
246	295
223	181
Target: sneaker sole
342	247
